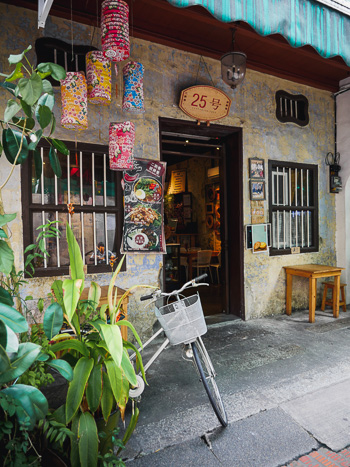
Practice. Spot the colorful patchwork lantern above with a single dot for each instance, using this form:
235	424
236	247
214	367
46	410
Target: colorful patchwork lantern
99	78
121	144
133	88
74	101
115	30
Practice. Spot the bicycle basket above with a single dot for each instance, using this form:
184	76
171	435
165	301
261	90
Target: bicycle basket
183	320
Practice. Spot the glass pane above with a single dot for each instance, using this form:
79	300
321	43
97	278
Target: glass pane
49	180
50	260
86	171
293	228
111	234
64	256
300	232
298	199
100	239
89	238
305	187
62	183
110	187
99	187
292	187
74	172
36	186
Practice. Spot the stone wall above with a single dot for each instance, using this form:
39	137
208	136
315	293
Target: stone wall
167	72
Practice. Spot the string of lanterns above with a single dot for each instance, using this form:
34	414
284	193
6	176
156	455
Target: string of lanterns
96	88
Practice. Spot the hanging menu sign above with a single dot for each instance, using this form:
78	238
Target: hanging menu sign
143	207
204	103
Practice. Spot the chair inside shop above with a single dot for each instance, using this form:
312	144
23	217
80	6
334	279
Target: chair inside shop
202	263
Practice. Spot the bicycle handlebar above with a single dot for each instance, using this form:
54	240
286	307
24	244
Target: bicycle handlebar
146	297
190	283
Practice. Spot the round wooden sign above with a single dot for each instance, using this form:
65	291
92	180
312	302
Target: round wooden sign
205	103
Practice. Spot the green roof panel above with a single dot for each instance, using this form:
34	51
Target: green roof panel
301	22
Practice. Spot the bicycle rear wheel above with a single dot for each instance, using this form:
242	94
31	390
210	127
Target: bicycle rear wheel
207	376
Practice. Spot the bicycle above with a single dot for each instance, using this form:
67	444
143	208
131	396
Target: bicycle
183	322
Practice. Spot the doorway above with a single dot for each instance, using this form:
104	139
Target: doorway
204	210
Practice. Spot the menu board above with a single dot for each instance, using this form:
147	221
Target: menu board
143	207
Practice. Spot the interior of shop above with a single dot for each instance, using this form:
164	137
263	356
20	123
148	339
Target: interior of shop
192	215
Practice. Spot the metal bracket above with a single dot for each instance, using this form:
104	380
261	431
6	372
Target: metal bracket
44	7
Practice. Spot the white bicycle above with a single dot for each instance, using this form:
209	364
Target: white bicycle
182	320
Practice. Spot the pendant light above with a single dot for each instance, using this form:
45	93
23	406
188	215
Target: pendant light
233	65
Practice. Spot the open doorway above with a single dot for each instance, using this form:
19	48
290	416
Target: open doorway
204	212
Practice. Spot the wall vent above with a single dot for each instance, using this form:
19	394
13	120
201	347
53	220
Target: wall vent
292	108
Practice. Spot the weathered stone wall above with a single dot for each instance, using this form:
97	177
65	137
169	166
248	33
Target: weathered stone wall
167	72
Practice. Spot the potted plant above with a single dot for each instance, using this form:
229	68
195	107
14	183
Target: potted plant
103	373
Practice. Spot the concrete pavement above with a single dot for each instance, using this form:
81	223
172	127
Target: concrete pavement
286	388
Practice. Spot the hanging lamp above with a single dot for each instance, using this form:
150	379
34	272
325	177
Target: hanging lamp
233	65
115	30
121	145
133	88
99	78
74	101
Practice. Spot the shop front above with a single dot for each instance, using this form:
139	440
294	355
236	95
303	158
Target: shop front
212	188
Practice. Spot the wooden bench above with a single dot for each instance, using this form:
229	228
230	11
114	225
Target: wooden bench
330	285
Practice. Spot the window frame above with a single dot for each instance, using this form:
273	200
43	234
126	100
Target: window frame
313	168
28	208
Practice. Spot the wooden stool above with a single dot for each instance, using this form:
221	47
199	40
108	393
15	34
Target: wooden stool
330	285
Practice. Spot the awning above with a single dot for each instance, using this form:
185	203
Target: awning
301	22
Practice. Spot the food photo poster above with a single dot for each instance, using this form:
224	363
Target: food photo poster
143	185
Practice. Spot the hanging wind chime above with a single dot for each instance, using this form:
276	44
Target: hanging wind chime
99	78
74	101
115	30
121	145
133	88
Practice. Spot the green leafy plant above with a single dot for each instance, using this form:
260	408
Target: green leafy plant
28	114
103	373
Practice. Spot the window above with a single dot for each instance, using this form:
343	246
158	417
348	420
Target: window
293	206
292	108
96	194
72	58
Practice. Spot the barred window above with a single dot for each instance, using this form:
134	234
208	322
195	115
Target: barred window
292	108
293	206
96	195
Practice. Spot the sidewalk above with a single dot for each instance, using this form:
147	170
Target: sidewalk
285	384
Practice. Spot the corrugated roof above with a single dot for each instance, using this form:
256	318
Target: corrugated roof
301	22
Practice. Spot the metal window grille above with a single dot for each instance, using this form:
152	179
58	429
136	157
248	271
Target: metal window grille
292	108
293	207
94	191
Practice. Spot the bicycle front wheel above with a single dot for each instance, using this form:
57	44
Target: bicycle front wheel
207	376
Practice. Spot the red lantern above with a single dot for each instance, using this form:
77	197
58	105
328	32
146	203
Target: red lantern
115	30
121	145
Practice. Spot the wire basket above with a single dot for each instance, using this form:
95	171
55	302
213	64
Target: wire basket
183	321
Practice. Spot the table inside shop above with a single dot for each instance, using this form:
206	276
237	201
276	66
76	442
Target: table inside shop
192	254
313	272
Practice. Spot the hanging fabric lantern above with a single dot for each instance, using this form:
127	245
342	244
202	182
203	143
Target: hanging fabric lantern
115	30
116	75
133	88
74	101
121	144
99	78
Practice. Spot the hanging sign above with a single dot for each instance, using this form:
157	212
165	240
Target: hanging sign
204	103
143	207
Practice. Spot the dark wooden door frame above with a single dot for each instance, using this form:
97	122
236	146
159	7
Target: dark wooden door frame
232	219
